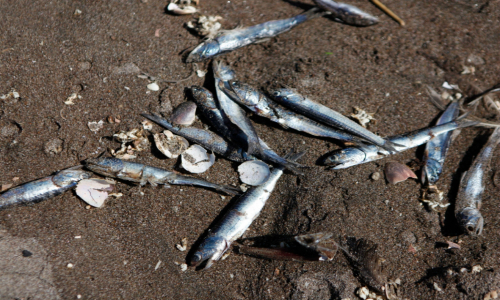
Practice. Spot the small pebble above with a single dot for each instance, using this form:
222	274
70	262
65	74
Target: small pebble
184	114
70	265
157	265
78	296
27	253
184	267
375	176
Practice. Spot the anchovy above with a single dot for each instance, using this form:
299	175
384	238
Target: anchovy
349	157
45	188
233	111
469	198
230	40
261	105
215	143
209	109
328	116
436	148
346	13
235	222
135	172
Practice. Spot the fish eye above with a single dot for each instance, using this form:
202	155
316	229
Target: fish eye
196	258
470	228
276	94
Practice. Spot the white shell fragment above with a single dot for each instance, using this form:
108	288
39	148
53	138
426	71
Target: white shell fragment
94	191
206	26
362	116
181	10
169	144
153	87
448	86
72	98
132	141
95	126
254	172
196	159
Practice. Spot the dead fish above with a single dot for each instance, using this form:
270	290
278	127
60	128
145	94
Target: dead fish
469	198
184	114
45	188
396	172
346	13
233	224
328	116
349	157
136	172
230	40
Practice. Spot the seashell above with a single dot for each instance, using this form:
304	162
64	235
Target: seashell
396	172
184	10
196	159
169	144
94	191
184	114
254	172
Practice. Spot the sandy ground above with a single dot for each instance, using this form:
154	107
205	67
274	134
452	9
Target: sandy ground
47	53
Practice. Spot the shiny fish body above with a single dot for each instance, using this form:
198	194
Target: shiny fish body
436	148
135	172
44	188
258	103
323	114
235	222
346	13
469	198
207	139
209	109
229	40
349	157
233	111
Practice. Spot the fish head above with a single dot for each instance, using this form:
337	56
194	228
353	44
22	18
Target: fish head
71	175
204	51
107	166
210	250
471	220
286	95
201	94
431	172
345	157
246	93
222	71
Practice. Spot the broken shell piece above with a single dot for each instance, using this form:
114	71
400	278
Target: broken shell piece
169	144
181	10
206	26
362	116
153	87
72	98
95	126
196	159
94	191
396	172
184	114
254	172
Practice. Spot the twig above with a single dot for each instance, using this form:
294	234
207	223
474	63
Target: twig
389	12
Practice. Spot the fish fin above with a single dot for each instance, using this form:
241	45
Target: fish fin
294	157
435	98
230	190
391	147
314	12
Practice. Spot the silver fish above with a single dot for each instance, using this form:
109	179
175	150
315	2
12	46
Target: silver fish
346	13
323	114
469	198
44	188
215	143
209	109
135	172
261	105
349	157
436	148
229	40
235	222
233	111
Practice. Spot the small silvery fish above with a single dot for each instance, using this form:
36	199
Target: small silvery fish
469	198
346	13
323	114
44	188
233	111
235	222
229	40
224	127
135	172
436	148
349	157
258	103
